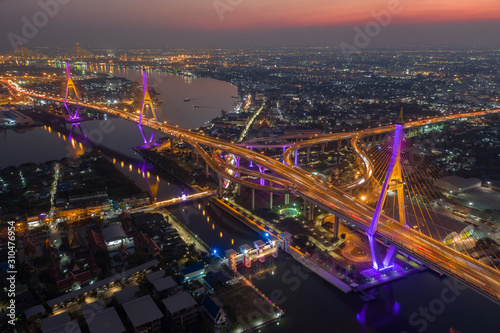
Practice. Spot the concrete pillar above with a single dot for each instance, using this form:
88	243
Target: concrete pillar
308	153
271	201
206	169
221	186
253	199
311	212
336	227
171	145
338	151
296	153
305	208
287	199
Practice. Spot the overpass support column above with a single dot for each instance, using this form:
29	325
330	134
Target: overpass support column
221	186
287	199
310	216
296	153
305	208
336	227
171	145
339	143
271	200
253	199
308	153
323	148
206	170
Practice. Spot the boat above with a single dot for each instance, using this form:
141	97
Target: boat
186	99
195	106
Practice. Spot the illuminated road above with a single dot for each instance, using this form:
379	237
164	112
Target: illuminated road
174	201
300	182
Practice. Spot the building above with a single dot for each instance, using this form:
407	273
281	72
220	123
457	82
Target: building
164	287
182	308
60	323
193	271
104	321
13	118
114	236
454	184
214	311
155	275
126	294
143	314
129	274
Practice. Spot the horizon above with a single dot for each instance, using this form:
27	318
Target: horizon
241	24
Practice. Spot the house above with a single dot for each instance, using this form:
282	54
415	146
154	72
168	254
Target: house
143	314
164	287
182	308
214	311
60	323
126	294
193	271
104	321
155	275
114	236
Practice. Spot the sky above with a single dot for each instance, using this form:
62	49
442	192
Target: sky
248	23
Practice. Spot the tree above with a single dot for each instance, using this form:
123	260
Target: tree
343	236
328	225
488	211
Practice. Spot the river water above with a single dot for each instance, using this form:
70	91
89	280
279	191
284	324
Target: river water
310	303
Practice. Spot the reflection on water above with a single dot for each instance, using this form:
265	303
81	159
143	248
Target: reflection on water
211	96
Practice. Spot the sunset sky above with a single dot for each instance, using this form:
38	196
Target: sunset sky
221	23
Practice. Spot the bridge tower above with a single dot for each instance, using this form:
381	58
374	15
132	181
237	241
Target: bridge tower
70	87
393	182
146	101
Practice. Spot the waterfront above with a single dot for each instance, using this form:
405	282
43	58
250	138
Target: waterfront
211	96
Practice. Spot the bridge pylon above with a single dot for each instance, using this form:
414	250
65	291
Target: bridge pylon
70	87
146	101
393	182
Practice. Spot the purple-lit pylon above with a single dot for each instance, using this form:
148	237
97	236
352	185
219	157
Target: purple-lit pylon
70	85
146	99
393	181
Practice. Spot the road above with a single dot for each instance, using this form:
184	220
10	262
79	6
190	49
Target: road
302	183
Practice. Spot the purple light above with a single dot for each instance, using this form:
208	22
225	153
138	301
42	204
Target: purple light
145	88
395	308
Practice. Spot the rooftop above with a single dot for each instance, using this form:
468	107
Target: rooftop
155	275
164	283
126	294
179	302
113	232
193	268
101	283
60	323
142	310
106	321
